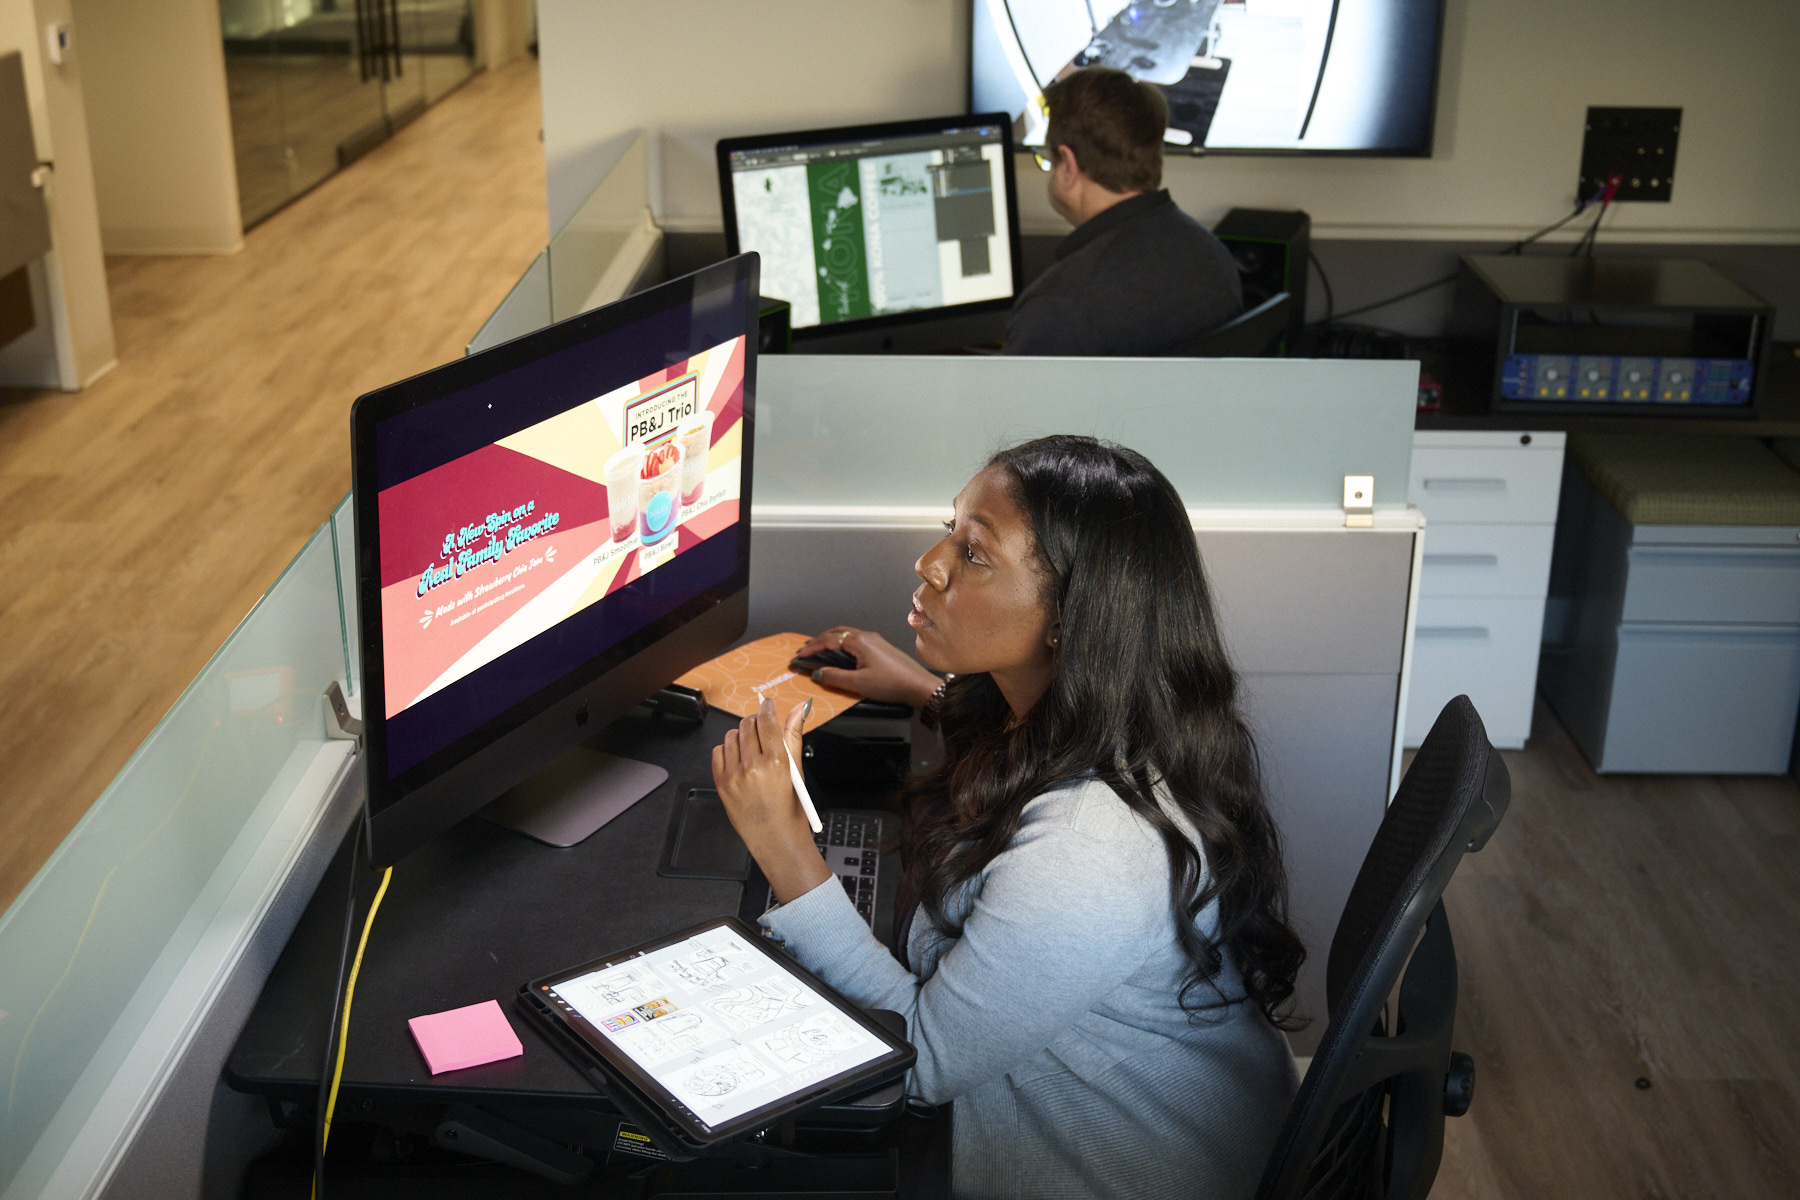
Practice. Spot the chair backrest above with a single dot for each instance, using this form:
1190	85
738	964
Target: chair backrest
1251	334
1338	1142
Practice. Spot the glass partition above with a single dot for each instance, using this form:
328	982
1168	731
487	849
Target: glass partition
590	249
343	549
526	308
94	941
895	431
593	259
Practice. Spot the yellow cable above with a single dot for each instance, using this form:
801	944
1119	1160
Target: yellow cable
337	1075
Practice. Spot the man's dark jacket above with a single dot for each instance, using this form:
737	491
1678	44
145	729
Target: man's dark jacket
1137	279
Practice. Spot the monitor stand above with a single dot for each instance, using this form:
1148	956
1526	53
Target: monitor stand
567	801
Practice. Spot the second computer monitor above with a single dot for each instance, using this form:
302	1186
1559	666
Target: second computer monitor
877	224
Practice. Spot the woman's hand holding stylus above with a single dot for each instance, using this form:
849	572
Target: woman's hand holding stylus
883	671
750	771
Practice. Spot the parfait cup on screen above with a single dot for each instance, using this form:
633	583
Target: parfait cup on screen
622	471
695	436
659	486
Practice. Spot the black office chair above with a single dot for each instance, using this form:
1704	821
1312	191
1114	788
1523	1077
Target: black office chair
1252	334
1339	1143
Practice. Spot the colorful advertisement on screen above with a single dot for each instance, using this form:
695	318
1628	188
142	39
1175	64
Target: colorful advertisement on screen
486	552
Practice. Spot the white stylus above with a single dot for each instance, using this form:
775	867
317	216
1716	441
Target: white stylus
806	803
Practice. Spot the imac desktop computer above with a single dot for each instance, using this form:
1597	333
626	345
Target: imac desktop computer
874	226
548	533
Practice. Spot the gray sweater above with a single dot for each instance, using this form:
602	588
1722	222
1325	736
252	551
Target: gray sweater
1053	1021
1140	278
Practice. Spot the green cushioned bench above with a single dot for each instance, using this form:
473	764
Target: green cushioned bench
1673	480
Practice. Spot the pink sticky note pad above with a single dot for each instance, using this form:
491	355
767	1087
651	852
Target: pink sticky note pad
465	1037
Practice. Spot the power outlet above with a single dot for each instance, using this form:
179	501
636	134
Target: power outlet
1637	145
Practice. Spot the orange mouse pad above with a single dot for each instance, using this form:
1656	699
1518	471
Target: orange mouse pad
737	681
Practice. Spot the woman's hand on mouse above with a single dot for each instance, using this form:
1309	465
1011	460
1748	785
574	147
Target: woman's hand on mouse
750	771
883	671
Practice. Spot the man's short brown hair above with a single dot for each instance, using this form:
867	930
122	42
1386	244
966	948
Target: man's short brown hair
1113	123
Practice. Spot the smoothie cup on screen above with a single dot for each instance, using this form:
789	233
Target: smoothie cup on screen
622	471
659	486
695	436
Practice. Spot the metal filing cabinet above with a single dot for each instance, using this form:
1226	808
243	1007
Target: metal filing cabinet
1676	647
1489	501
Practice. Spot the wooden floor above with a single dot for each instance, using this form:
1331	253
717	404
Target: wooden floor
144	516
1621	929
1614	929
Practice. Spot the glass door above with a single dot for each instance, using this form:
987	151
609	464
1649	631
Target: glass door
330	106
402	63
446	43
302	98
314	84
253	87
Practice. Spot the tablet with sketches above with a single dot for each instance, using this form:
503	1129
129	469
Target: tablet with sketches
709	1034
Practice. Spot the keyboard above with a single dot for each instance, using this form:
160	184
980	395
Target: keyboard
851	845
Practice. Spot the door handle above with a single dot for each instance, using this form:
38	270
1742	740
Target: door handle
1452	633
393	44
365	41
1462	560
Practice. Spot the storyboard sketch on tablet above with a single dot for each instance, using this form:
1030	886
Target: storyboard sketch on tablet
719	1024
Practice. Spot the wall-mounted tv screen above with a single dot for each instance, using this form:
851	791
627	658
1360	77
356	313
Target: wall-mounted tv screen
1241	76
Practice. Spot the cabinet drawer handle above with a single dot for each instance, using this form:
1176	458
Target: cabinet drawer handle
1462	560
1465	485
1447	633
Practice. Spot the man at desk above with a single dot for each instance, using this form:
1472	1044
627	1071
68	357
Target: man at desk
1138	275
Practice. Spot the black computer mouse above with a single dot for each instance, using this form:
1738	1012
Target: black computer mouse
841	659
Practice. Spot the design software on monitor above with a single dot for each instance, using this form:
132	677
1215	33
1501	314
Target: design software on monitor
866	223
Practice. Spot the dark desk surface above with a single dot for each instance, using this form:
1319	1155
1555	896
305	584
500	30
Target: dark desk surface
468	917
1465	404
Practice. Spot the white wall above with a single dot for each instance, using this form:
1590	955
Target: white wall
159	126
72	344
1518	76
699	70
502	31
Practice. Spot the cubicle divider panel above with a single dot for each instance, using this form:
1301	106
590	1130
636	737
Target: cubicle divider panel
1316	625
858	460
1291	601
116	950
1324	742
1297	601
890	430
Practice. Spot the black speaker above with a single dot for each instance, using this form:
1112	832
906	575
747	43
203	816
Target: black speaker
1271	252
774	326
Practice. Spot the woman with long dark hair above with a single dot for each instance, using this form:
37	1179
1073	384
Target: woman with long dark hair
1098	958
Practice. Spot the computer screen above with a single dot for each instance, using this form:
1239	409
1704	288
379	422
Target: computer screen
531	518
1241	76
877	223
